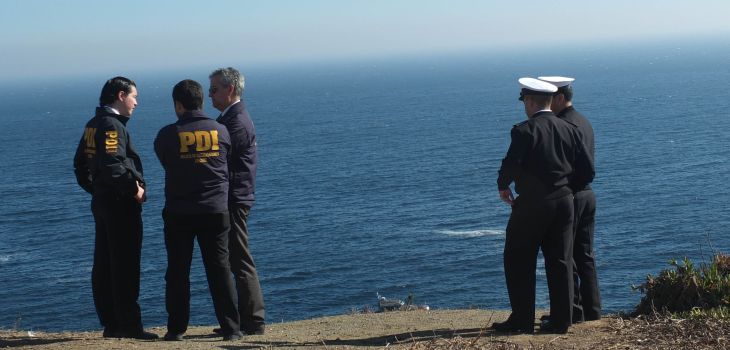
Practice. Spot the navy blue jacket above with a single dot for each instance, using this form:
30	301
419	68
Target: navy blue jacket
585	131
243	157
105	162
194	153
544	154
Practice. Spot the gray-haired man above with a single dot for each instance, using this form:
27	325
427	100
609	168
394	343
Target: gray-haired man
226	91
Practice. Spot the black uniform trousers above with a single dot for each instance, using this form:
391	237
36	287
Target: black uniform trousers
587	300
211	231
536	223
250	297
116	271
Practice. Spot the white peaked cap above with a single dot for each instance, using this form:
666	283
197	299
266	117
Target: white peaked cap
536	85
558	81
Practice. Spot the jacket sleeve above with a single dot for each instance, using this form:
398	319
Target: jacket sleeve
512	162
240	137
81	168
160	146
112	141
584	170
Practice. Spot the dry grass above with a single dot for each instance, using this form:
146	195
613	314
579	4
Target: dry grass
444	330
645	332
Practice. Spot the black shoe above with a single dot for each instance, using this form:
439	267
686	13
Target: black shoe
142	335
233	336
108	333
548	326
576	319
594	317
260	330
173	336
218	330
512	327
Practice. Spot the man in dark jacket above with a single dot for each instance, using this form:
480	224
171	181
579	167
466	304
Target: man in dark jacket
226	90
544	154
194	152
107	167
587	299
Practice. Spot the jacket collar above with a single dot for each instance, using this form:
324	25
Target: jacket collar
565	111
232	110
542	113
192	115
106	111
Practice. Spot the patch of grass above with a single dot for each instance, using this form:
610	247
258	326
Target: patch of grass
688	290
721	312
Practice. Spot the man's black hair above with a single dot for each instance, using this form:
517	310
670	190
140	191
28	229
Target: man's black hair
542	100
112	87
189	93
567	91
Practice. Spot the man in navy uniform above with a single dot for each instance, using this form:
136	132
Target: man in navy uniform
226	91
587	298
545	152
107	166
194	152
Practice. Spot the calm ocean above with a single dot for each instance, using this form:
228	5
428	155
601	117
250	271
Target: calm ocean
380	176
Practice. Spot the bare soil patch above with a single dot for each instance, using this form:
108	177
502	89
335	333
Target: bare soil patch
440	329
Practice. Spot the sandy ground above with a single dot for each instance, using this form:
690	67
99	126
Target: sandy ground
399	330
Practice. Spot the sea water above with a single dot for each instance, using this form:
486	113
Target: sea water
379	176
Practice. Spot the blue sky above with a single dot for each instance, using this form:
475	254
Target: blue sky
61	38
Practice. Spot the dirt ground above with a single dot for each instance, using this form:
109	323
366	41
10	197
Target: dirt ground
441	329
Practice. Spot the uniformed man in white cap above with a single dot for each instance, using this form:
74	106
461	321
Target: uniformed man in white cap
587	299
544	154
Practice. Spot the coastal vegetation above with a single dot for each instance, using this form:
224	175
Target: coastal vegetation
688	291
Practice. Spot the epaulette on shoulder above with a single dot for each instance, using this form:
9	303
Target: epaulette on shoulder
520	123
571	122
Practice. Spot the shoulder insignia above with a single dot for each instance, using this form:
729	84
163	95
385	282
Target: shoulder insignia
521	123
111	141
571	122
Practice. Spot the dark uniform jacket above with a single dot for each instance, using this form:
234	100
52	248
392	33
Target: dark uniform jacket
545	151
194	153
585	131
243	157
105	161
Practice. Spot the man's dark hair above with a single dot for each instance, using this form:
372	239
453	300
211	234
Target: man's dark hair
567	91
112	88
189	93
542	100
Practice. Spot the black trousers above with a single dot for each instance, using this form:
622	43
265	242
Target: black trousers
116	271
534	224
250	297
211	231
587	300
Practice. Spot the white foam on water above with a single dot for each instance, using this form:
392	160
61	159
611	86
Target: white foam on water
471	233
4	258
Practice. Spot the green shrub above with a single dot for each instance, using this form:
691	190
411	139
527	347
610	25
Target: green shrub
687	289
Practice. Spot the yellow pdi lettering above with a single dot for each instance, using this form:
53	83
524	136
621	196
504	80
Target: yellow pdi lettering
214	137
202	139
89	137
111	141
187	139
